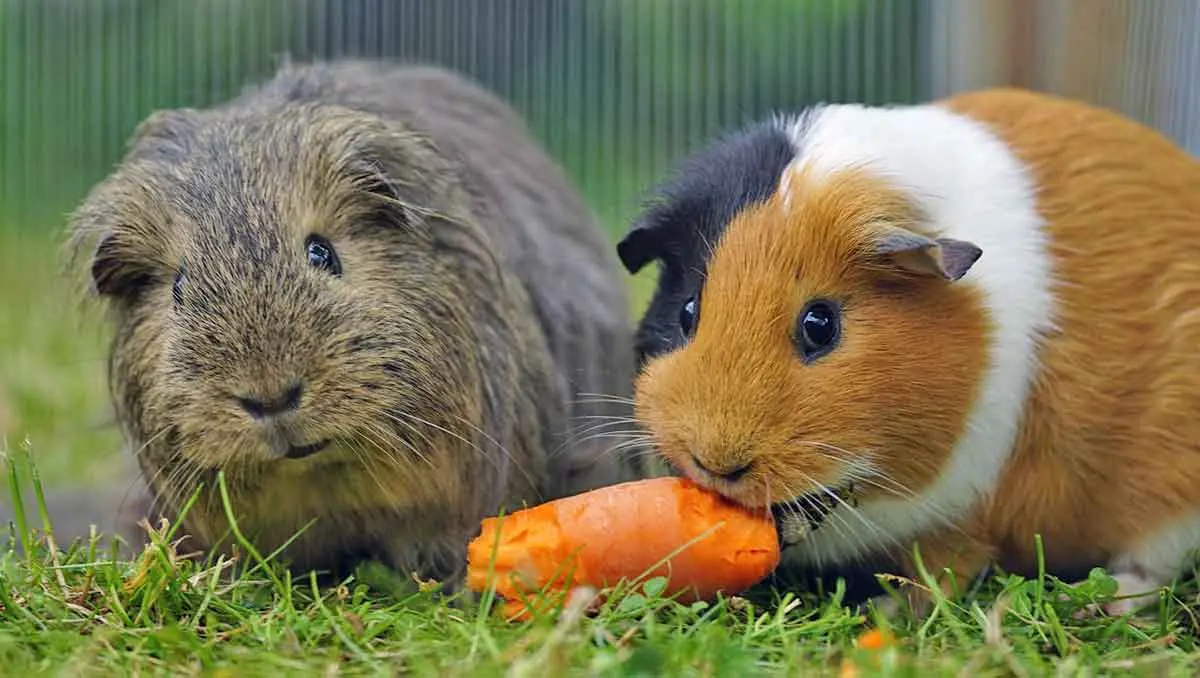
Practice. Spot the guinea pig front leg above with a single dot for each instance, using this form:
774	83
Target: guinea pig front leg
1141	573
1135	589
443	561
953	556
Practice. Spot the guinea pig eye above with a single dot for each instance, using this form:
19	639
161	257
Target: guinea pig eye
817	330
687	317
321	255
177	287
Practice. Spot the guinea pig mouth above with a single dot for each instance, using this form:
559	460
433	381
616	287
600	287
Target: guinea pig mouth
797	518
302	451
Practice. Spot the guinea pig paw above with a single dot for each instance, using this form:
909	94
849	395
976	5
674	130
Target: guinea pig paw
916	602
1134	592
886	605
1113	608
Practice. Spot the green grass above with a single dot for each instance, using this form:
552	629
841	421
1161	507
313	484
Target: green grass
84	613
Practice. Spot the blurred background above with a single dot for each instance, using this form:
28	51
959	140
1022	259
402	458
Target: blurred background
616	90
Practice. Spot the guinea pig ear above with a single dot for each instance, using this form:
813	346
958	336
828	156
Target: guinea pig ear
112	275
944	258
640	245
168	123
164	134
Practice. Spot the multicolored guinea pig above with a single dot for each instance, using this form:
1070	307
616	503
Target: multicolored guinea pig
953	326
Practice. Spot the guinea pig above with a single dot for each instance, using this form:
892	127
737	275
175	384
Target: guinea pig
937	331
364	293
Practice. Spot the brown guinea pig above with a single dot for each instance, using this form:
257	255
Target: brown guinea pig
953	326
365	294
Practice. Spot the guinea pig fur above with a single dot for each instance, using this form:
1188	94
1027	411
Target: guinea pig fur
939	329
364	293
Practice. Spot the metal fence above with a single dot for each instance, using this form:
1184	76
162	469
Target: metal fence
616	89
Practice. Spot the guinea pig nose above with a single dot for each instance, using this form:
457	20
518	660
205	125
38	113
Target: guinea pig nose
259	407
731	472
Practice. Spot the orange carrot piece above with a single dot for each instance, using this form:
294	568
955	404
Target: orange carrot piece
874	639
621	532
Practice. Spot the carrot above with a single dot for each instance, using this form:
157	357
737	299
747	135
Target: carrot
700	542
874	639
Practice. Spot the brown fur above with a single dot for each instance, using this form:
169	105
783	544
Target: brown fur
1110	445
478	303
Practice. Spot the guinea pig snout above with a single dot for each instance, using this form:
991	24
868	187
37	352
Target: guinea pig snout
277	415
728	465
263	403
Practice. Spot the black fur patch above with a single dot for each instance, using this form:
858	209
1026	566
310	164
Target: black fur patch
688	216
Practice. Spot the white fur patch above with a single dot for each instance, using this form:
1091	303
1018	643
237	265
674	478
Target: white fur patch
1151	564
1163	554
973	188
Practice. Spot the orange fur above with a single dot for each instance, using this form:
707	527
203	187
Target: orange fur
1109	448
738	393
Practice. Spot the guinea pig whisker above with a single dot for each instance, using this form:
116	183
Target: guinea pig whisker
577	440
605	419
378	437
616	417
368	462
387	441
903	492
167	472
581	436
836	518
585	428
149	441
892	487
863	519
604	397
634	451
475	446
636	446
871	475
628	440
180	483
396	417
172	457
608	435
164	471
826	447
795	508
864	472
411	429
485	434
503	450
595	427
882	481
838	524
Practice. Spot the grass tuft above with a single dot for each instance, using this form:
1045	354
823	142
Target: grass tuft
73	608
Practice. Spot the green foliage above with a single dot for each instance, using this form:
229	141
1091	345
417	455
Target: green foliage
616	89
52	389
